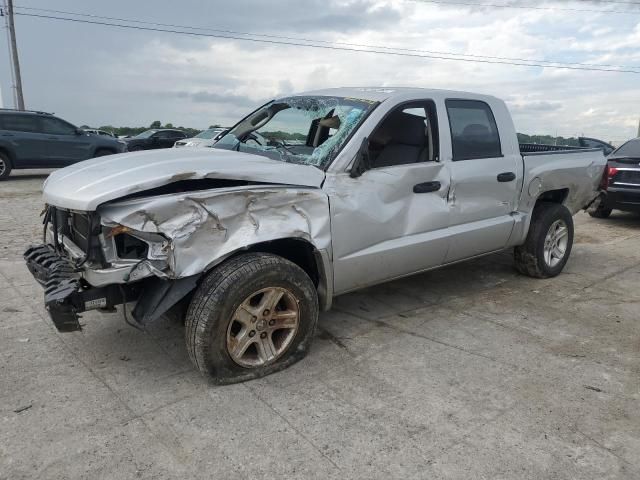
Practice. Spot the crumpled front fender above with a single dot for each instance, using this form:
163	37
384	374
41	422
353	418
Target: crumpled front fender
205	227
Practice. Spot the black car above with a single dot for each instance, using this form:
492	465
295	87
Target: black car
621	181
154	138
587	142
40	140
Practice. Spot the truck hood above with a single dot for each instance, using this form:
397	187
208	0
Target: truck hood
86	185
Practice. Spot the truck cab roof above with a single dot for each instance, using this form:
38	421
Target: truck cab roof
380	94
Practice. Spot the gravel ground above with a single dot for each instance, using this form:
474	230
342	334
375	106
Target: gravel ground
472	371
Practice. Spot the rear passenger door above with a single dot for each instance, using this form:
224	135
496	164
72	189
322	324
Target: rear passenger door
20	133
64	146
484	186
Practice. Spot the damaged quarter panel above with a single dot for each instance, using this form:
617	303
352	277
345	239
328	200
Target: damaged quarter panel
206	227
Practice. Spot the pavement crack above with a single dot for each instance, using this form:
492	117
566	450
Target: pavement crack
286	420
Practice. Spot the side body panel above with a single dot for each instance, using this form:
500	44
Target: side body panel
481	206
28	149
576	172
66	150
381	229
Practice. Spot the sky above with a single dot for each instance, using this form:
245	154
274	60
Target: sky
100	75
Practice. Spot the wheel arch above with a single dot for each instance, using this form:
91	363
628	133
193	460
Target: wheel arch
558	195
112	151
523	221
315	262
9	153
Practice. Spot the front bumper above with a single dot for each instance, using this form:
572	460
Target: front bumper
66	294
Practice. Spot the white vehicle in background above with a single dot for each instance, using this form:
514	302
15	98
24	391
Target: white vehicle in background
204	139
103	133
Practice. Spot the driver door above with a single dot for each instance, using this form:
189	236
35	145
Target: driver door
392	220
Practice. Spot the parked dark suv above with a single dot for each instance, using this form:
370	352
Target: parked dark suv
154	138
41	140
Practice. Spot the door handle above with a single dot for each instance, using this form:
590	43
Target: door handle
7	135
426	187
506	177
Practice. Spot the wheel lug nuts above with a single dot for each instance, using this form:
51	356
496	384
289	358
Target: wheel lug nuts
254	319
272	322
263	335
252	333
265	313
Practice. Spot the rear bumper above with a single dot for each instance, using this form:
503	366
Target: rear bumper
626	199
66	295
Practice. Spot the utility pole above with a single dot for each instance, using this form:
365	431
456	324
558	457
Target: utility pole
14	57
638	128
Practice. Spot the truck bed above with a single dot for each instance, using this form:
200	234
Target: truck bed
573	172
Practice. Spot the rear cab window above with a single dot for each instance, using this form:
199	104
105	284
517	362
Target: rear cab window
474	132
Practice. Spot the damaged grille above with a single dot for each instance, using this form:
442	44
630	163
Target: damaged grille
79	227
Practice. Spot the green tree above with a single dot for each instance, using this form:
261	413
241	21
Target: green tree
156	124
169	125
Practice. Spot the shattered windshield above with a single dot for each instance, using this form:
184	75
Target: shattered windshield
305	130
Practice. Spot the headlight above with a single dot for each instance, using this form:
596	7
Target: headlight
131	244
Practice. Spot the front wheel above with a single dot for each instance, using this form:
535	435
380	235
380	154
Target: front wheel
549	241
251	316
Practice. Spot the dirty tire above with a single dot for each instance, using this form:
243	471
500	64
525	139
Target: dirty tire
102	152
529	258
5	166
219	295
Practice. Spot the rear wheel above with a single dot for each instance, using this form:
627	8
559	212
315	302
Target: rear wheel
5	166
549	241
251	316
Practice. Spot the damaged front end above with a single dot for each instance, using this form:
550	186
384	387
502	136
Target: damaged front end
84	265
153	250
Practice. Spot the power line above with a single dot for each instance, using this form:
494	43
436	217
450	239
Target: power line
330	47
377	47
530	7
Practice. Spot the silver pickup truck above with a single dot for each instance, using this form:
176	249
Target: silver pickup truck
308	197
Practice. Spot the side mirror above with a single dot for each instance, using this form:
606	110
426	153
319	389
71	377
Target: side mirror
362	162
79	131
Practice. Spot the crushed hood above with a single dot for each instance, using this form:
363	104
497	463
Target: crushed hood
85	185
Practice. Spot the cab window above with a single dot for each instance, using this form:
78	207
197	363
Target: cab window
408	134
474	132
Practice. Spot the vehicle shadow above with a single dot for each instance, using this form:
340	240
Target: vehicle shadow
29	176
621	219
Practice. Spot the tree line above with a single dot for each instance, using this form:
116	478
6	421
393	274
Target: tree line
133	131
